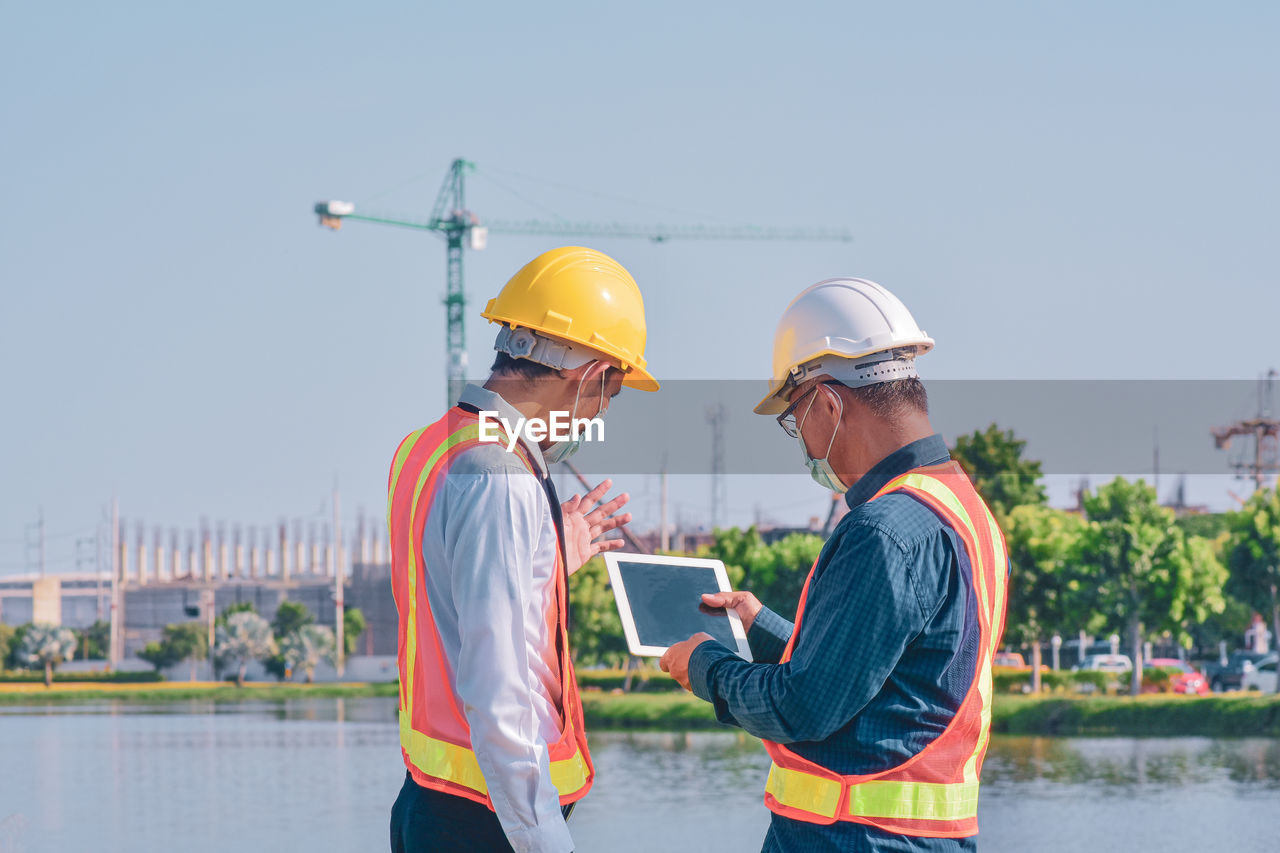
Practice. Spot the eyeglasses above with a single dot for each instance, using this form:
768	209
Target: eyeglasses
787	420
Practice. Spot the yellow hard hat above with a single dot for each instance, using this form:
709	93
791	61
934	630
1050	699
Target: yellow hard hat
583	296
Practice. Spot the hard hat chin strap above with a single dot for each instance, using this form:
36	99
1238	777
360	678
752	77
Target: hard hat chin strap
526	343
886	366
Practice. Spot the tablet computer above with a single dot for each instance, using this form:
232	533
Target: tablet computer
660	602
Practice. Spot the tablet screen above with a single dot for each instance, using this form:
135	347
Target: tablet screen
665	601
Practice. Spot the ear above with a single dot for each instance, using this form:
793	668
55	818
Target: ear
595	369
828	401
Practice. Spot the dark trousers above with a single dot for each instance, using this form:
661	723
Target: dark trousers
427	821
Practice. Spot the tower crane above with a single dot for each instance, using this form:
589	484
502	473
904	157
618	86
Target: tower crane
461	228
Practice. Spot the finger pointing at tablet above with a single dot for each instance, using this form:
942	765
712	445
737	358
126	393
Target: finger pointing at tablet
746	605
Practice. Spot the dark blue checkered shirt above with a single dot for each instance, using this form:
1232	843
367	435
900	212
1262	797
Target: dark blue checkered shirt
881	665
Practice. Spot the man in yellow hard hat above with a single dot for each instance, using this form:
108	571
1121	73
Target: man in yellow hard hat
481	550
875	705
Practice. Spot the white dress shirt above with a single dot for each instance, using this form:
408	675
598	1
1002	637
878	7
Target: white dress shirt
490	552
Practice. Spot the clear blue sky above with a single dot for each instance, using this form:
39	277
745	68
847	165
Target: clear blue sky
1084	191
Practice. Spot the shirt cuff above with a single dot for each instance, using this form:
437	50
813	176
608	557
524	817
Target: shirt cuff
706	655
550	837
768	636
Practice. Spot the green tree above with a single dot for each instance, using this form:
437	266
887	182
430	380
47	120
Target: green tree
244	637
13	661
159	654
1045	589
1204	584
47	646
307	646
1253	555
232	609
290	616
775	572
353	626
1142	574
6	643
95	641
184	641
1210	525
993	460
595	631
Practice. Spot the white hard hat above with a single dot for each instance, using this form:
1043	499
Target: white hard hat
850	329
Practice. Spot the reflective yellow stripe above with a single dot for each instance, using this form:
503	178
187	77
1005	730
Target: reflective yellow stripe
411	635
440	759
406	447
569	775
800	790
443	760
914	800
1001	568
937	488
874	799
940	490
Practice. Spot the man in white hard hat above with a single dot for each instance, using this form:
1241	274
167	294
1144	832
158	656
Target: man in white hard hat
875	705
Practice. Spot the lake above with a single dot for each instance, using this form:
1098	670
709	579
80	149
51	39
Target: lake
321	774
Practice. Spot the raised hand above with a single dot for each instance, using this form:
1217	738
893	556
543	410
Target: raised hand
583	526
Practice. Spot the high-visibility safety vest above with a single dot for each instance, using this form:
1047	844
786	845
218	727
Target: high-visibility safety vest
434	736
934	793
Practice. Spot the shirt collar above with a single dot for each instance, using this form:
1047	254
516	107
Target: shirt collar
490	401
924	451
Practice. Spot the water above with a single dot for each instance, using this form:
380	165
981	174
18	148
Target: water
321	775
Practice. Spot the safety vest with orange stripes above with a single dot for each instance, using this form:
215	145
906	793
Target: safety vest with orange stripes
934	793
434	735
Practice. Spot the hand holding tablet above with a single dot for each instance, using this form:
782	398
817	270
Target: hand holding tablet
660	602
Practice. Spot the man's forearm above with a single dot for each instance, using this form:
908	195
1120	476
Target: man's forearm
768	636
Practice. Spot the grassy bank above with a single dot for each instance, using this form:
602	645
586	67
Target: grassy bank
180	691
1229	715
1232	715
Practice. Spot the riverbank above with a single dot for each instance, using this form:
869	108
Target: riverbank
1238	715
182	691
1231	715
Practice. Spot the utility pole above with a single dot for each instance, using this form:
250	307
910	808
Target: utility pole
719	492
1155	460
34	541
1265	432
116	628
210	596
97	569
339	592
664	532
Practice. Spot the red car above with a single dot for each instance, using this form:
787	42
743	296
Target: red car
1185	680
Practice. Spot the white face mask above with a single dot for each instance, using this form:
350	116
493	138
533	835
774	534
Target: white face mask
820	469
562	450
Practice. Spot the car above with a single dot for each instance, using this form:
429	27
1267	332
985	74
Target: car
1185	680
1231	676
1261	675
1106	663
1012	660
